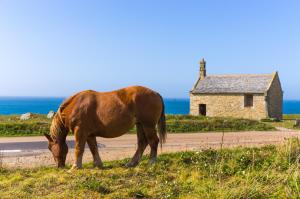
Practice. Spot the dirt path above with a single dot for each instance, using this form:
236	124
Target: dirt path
124	146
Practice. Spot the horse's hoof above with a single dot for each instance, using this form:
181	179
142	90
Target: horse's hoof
152	161
73	168
131	164
98	166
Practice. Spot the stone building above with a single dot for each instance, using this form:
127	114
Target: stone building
256	96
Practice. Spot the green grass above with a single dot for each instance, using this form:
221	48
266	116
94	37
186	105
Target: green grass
12	126
287	122
188	123
267	172
291	116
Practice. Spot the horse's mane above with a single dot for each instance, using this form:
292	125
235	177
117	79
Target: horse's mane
58	127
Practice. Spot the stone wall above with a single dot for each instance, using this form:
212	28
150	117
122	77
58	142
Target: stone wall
229	105
275	99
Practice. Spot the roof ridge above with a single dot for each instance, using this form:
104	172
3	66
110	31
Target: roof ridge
236	75
234	83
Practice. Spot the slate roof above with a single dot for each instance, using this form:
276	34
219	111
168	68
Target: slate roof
234	84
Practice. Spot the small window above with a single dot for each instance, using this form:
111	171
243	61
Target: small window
248	101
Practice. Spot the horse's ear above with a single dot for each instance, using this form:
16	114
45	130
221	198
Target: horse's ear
48	137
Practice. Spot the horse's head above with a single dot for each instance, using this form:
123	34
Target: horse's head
59	150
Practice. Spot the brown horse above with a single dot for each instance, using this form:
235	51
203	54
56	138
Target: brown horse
89	114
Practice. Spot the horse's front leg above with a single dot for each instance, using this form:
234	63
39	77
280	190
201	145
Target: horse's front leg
92	142
80	140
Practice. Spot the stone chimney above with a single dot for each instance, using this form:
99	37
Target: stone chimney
202	69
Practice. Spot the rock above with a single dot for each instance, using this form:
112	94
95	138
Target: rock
297	123
50	114
26	116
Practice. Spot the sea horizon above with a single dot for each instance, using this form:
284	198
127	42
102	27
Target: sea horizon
10	105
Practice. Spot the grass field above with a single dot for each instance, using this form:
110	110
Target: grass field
267	172
12	126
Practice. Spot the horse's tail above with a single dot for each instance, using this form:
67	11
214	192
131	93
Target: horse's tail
162	124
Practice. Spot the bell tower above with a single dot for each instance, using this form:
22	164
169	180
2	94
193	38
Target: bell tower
202	69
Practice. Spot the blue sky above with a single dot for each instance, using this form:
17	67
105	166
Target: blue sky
56	48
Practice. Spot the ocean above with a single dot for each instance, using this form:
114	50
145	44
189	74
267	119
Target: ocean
42	105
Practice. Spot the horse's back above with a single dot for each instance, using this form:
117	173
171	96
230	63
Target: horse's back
141	102
111	114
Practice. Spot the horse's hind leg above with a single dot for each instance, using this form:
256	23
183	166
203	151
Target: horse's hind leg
142	144
153	140
92	142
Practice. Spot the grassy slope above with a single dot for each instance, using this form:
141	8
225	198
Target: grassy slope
12	126
268	172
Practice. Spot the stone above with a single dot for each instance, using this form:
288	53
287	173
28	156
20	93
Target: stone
50	115
297	123
26	116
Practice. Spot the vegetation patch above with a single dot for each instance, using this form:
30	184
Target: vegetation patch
267	172
12	125
287	122
291	116
188	123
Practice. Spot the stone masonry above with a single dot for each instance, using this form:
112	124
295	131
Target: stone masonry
228	105
227	95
